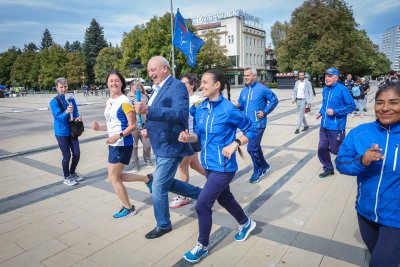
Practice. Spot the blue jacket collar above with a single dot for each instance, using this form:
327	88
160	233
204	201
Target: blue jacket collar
213	103
394	128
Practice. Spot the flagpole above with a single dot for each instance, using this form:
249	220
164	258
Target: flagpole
172	43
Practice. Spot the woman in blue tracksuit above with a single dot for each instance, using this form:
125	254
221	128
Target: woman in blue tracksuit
62	132
217	120
371	152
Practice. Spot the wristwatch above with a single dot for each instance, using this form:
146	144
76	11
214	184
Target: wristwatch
238	142
121	135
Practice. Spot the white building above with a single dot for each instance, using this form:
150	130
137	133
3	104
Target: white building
391	46
242	35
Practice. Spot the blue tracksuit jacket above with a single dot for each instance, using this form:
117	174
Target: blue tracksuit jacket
378	197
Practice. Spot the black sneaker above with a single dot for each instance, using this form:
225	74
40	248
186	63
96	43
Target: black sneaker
297	131
305	128
326	174
365	110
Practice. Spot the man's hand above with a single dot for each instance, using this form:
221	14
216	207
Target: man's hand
141	108
69	109
371	155
260	114
229	150
237	104
318	115
330	112
184	136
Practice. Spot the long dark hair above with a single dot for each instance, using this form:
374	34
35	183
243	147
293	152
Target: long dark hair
116	72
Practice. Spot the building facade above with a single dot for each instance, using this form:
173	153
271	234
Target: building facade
242	35
391	46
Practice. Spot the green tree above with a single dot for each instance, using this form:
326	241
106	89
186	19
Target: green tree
380	65
278	32
211	56
47	40
30	47
52	64
94	42
106	60
7	60
67	46
22	69
75	68
76	46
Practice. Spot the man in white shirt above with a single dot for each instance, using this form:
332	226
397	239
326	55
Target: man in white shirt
302	95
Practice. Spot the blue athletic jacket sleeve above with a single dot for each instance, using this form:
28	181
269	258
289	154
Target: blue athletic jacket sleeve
239	120
349	105
58	114
241	101
348	160
273	101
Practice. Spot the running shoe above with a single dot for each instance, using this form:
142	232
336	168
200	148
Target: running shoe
196	254
244	230
124	212
178	202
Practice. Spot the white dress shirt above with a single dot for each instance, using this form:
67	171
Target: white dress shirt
300	89
156	88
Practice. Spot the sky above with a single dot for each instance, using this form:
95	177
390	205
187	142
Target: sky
23	21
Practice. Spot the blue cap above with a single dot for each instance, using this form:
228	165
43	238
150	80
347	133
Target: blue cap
332	71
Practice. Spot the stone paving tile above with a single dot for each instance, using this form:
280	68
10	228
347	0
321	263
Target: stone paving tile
300	258
331	262
64	258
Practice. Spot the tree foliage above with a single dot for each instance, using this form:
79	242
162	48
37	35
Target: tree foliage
75	68
24	70
47	40
30	47
278	32
94	42
7	60
52	64
106	60
323	34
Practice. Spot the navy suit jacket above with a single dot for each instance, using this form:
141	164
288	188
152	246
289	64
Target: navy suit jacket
167	116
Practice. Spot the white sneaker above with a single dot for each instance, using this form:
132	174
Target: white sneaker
178	202
76	177
70	181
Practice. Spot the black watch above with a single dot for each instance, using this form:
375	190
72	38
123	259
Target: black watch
238	142
121	135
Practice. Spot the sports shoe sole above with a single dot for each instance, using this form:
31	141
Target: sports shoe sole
252	226
196	261
71	184
126	216
180	205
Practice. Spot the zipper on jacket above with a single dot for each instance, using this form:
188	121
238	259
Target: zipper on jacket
219	157
327	101
396	152
205	143
359	192
381	176
255	115
211	124
248	99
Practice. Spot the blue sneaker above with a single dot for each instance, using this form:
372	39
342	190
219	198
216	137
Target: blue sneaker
255	178
150	182
245	230
196	254
266	170
124	212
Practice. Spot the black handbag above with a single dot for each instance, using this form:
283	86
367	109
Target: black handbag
76	128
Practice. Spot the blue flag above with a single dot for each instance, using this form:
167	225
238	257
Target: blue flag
185	40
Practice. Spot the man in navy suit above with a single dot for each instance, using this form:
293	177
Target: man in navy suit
167	115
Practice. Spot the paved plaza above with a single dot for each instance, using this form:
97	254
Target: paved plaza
302	220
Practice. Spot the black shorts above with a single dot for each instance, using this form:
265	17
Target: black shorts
196	146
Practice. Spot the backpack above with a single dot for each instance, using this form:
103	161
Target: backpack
356	91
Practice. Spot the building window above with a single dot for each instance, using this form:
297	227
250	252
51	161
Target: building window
254	59
247	40
251	59
233	40
247	58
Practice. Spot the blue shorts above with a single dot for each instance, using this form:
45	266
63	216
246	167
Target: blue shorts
119	154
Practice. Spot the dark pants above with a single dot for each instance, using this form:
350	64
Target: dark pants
216	188
255	151
329	142
67	145
383	243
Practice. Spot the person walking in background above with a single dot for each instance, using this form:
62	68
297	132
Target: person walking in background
137	131
191	83
302	96
217	121
337	102
256	101
371	152
349	83
167	115
121	121
63	110
358	96
364	85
